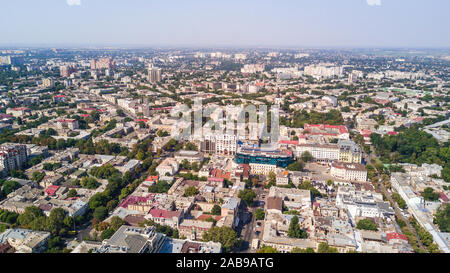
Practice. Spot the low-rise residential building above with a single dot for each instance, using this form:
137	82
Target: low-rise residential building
168	166
349	152
349	171
71	124
191	156
24	240
320	152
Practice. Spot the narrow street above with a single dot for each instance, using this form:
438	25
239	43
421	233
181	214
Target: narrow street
380	185
247	230
399	214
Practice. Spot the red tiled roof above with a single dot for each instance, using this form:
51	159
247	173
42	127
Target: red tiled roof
273	202
131	200
203	217
67	120
444	197
365	133
45	207
323	127
381	101
162	108
20	109
220	174
51	190
134	220
288	142
395	235
215	179
152	178
245	170
161	213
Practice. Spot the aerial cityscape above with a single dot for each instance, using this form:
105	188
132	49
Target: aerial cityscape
114	144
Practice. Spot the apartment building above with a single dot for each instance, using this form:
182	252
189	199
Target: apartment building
18	111
71	124
263	161
169	165
24	240
327	131
349	151
350	172
222	144
12	157
154	74
292	198
320	152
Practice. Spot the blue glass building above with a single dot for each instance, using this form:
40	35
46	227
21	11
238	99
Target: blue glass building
260	156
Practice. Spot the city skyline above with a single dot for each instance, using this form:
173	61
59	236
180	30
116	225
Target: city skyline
325	23
225	128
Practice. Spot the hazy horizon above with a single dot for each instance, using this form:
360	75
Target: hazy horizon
399	24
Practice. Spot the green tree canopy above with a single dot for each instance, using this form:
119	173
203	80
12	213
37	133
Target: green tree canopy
325	248
190	191
259	214
159	187
72	193
190	146
37	176
29	215
296	166
55	222
100	213
267	249
116	222
107	233
306	156
294	230
224	235
216	210
442	218
89	183
300	250
247	195
429	194
366	224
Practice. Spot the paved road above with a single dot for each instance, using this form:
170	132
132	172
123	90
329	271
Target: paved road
399	213
388	195
85	232
130	115
248	232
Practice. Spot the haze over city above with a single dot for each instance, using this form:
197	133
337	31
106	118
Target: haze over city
225	127
284	23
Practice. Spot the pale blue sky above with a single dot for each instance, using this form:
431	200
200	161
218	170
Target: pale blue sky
302	23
